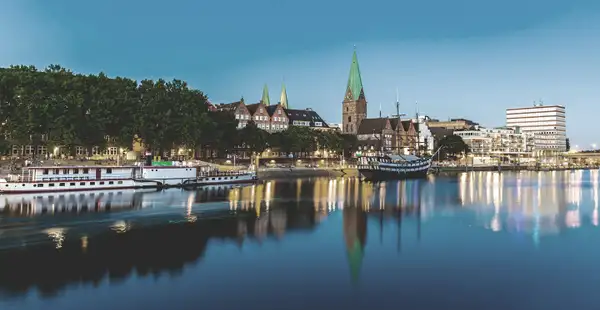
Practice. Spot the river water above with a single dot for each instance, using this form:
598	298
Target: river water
480	240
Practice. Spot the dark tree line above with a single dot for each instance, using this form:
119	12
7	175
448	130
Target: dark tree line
56	107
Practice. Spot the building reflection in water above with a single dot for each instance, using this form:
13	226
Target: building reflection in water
115	247
535	203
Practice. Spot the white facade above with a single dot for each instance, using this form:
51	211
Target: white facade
546	123
497	141
426	141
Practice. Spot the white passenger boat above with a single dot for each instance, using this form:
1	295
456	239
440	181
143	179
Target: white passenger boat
85	178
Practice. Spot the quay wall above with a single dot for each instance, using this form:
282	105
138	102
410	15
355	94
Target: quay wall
282	173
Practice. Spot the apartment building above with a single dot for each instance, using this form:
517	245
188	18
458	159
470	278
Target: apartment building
501	141
546	123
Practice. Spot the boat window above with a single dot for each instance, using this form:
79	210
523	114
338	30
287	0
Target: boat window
82	183
75	171
56	171
213	179
61	184
92	183
51	184
40	185
65	171
72	184
108	170
120	182
111	182
45	171
101	183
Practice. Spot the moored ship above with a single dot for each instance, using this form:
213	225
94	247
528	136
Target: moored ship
86	178
393	167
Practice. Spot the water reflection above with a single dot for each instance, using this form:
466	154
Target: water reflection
537	203
102	238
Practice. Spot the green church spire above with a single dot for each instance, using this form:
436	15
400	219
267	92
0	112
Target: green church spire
283	100
265	96
354	90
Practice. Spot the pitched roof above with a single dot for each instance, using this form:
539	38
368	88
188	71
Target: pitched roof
230	107
307	115
252	107
265	96
355	85
284	99
372	125
271	109
394	123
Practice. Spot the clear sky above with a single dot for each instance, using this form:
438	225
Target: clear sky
460	58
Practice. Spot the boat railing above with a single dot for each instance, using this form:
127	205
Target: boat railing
223	173
18	178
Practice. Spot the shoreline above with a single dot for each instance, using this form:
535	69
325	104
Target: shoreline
281	173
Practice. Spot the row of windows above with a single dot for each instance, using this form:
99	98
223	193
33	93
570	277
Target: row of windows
535	110
73	184
74	171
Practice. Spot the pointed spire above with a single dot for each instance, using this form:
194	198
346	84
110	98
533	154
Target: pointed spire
284	100
354	89
265	96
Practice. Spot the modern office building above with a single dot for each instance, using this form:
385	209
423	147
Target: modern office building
546	122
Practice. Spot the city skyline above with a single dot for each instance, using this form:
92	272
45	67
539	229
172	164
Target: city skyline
473	67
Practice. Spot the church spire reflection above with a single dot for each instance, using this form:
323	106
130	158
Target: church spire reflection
355	235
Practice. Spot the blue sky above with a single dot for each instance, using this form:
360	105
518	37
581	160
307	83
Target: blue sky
461	58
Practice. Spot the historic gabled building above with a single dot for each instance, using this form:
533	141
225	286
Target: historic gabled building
354	106
239	109
375	135
279	119
259	113
306	118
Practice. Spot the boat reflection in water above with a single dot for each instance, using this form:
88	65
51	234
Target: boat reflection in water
115	249
159	233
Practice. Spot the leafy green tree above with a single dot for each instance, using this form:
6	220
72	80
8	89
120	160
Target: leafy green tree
451	146
254	139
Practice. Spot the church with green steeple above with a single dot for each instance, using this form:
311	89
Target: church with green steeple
354	106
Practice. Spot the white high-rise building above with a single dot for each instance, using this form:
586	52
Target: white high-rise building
547	123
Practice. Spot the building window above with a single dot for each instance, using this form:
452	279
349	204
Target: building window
279	112
349	119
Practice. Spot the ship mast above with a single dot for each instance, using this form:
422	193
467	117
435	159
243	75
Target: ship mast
417	151
398	138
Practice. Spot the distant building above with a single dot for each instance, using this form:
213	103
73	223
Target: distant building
453	124
505	142
306	118
546	123
336	126
375	135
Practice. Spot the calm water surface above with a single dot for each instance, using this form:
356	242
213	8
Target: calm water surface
478	240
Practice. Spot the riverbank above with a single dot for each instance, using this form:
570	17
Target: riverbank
506	168
281	173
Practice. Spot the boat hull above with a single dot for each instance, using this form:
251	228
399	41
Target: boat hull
380	175
224	179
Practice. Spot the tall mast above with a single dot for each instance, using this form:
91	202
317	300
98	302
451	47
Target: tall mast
398	138
418	129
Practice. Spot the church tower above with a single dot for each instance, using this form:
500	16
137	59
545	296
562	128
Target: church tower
354	106
265	96
284	99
